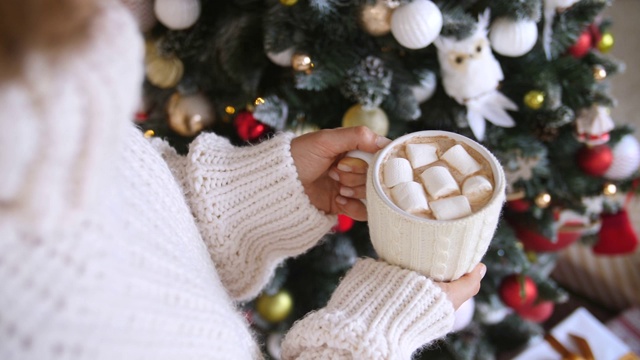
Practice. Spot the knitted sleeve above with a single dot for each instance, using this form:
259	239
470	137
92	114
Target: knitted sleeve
379	311
249	205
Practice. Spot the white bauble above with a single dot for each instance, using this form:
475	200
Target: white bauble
464	315
177	14
415	25
626	158
513	37
282	58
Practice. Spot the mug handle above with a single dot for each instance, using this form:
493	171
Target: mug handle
364	156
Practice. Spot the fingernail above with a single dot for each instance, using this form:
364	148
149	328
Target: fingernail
382	141
483	270
344	167
345	191
349	164
334	175
340	200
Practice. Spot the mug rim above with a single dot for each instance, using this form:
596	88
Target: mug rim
498	172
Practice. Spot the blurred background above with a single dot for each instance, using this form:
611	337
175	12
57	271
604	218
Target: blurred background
625	87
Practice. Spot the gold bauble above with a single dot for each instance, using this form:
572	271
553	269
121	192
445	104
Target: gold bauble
274	308
543	200
599	72
606	43
302	62
149	134
189	114
288	2
376	19
374	118
150	51
164	72
534	99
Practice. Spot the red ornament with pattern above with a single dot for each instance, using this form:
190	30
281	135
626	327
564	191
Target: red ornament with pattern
518	291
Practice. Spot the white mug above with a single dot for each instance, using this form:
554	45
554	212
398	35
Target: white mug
442	250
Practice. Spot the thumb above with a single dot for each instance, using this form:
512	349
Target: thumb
465	287
362	138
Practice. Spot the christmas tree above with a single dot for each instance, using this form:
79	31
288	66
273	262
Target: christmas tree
527	79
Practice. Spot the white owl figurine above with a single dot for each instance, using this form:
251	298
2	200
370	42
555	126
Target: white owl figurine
471	74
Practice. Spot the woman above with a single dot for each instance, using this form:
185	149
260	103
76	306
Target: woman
115	247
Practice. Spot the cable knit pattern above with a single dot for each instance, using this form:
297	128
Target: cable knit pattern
379	311
115	247
442	250
250	207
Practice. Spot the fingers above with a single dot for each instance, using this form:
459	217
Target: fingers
348	179
353	165
358	192
353	208
464	288
342	140
352	174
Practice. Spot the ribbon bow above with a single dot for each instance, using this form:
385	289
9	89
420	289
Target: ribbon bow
584	349
581	343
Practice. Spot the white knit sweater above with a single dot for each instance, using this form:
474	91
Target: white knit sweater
114	247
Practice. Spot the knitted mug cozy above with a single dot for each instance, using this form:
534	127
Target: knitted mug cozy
443	250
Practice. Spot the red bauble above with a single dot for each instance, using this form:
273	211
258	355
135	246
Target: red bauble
538	312
532	240
141	116
344	224
582	45
595	160
518	205
517	295
248	127
616	235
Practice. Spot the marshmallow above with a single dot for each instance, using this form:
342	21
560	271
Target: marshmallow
397	171
460	159
451	208
410	197
421	154
439	182
476	187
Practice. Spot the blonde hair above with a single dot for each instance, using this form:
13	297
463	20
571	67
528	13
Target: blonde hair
47	25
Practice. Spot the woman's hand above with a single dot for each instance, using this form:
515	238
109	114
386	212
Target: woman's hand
333	183
464	288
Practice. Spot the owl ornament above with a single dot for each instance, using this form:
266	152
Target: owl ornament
471	74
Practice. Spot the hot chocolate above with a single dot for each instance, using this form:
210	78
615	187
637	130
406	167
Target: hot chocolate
436	178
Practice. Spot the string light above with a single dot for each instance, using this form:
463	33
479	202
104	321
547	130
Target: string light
543	200
610	189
